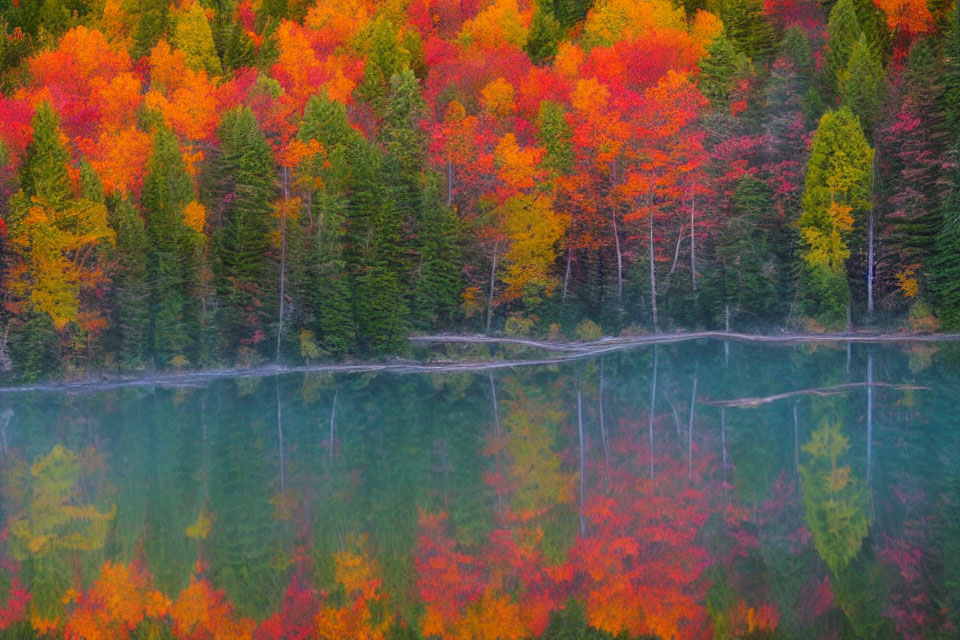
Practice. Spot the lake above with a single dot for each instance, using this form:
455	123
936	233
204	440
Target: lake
651	492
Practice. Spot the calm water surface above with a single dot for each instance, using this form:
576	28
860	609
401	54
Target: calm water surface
605	497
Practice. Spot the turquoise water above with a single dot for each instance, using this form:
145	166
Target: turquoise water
617	495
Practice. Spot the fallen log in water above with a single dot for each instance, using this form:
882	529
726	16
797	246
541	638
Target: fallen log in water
569	352
665	338
819	391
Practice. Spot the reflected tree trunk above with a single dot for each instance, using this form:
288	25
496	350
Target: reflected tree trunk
676	417
869	416
603	428
693	408
333	422
653	403
723	444
283	470
582	453
5	418
499	436
726	343
796	441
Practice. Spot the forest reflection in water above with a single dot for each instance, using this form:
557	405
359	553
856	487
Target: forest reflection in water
618	495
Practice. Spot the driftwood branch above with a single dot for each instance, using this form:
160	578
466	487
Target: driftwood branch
604	344
820	391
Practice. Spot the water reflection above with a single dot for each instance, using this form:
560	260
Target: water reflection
612	497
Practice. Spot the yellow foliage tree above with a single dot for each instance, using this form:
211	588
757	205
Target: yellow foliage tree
501	23
535	230
56	248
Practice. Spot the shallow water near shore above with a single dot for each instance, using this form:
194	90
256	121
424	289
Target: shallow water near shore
693	490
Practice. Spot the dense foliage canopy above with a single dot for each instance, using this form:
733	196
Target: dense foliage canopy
189	183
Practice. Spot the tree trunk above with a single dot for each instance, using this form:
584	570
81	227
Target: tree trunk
493	275
566	272
873	171
653	278
693	243
283	259
870	264
653	402
616	241
449	182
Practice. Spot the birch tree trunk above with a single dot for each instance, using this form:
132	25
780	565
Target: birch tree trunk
616	241
653	278
693	243
449	182
493	275
283	259
870	264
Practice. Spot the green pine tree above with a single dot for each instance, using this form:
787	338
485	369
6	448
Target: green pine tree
319	275
44	174
437	294
152	26
244	277
556	136
545	34
172	261
843	32
131	288
376	257
747	28
720	71
945	264
863	85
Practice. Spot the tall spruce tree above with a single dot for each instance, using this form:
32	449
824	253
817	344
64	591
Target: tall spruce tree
843	32
376	256
863	85
945	272
172	262
131	290
320	278
440	281
247	185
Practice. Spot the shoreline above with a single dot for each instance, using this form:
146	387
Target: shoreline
570	351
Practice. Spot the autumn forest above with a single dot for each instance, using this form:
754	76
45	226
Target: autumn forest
204	183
